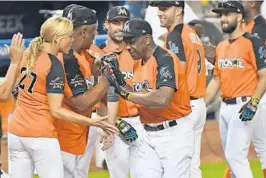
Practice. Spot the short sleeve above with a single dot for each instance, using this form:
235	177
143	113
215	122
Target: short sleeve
175	44
166	72
55	79
74	76
258	52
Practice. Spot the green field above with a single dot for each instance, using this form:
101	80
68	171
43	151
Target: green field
209	170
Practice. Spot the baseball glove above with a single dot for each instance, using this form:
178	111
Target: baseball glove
127	131
112	61
248	111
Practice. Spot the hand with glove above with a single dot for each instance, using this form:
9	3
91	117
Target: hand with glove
127	131
118	89
111	60
248	111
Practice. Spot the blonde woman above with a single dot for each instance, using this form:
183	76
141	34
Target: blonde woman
32	136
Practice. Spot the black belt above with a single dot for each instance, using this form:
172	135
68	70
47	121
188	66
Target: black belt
128	116
192	98
159	127
234	100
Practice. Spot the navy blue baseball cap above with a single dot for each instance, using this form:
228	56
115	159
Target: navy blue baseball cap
230	6
168	3
135	28
118	12
80	15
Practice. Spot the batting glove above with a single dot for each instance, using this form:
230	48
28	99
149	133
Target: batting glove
112	61
248	111
127	131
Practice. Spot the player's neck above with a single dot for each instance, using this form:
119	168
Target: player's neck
174	24
115	46
251	16
50	48
78	50
149	52
237	33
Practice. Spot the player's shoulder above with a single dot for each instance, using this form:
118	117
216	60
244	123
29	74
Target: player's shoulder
163	55
96	51
54	61
259	28
175	33
255	40
222	44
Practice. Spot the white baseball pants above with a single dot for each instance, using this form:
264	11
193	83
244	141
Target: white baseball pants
163	154
198	119
27	153
236	136
117	157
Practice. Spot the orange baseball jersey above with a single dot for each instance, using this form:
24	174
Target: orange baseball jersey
72	136
186	44
6	109
91	54
236	64
32	116
126	63
257	27
162	69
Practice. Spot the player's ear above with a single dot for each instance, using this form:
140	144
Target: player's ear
240	17
148	39
179	10
83	32
105	25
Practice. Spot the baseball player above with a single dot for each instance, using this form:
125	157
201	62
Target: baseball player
78	68
256	25
240	73
15	52
117	157
32	137
255	22
161	91
186	44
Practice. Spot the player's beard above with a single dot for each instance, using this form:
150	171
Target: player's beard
116	37
230	28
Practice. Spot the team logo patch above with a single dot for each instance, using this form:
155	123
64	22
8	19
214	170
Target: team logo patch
141	86
262	52
57	83
256	35
229	63
165	73
173	47
76	81
127	74
126	27
121	11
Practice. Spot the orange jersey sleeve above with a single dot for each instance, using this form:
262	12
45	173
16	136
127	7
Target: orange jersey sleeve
32	116
186	44
237	63
162	69
6	109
